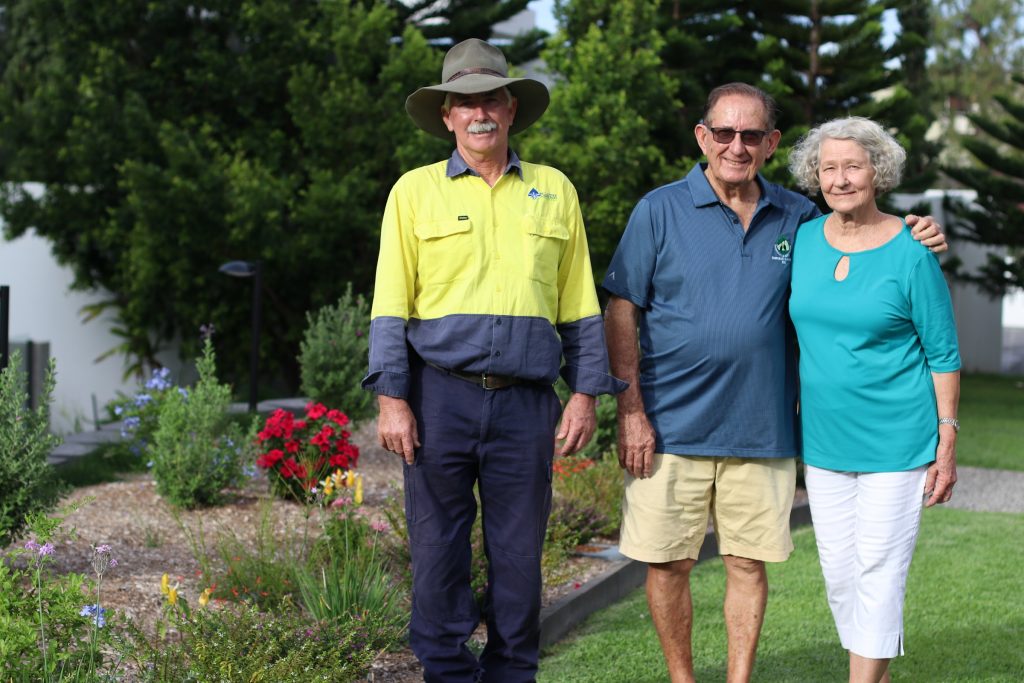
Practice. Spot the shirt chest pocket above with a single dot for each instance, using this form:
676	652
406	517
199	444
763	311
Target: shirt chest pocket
545	241
445	250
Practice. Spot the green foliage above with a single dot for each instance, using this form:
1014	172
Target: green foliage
170	139
977	44
798	640
348	574
240	643
333	355
996	218
601	128
587	500
450	22
197	449
43	633
27	482
140	414
261	572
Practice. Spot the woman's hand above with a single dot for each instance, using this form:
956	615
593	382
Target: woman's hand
938	486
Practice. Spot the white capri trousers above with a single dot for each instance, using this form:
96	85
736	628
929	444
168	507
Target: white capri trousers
866	525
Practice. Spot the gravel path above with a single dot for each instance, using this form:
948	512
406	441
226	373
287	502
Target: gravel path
988	490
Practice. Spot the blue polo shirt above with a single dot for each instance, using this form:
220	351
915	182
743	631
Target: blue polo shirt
717	366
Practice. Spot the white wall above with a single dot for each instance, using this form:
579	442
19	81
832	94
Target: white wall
44	309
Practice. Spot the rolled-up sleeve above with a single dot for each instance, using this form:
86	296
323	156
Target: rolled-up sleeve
392	299
931	310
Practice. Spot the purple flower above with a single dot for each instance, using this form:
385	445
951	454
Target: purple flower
101	559
98	614
46	549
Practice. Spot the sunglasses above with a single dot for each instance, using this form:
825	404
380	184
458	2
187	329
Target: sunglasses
751	138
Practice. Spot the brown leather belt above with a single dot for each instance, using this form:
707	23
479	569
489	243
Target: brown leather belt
484	381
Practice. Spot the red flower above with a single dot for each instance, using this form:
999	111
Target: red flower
292	446
323	438
314	411
337	417
269	459
290	468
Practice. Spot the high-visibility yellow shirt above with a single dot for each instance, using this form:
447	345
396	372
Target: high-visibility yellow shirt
486	280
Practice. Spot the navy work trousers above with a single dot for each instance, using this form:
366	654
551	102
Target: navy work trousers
504	440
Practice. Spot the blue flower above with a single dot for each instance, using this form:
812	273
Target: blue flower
159	381
98	614
118	410
142	399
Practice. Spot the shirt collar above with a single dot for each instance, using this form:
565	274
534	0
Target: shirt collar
704	195
457	165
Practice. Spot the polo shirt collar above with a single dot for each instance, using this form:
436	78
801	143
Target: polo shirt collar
457	165
704	195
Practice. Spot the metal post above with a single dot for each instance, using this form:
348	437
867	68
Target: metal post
5	318
254	353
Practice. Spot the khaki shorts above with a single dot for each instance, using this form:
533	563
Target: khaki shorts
665	517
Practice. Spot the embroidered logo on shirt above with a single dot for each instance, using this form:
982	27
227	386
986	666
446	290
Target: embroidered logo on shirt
463	218
534	194
783	250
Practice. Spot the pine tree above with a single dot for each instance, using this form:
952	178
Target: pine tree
997	217
448	22
913	101
600	129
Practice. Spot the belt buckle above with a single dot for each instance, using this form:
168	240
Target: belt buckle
485	382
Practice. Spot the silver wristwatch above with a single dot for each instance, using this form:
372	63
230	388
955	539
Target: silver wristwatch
952	421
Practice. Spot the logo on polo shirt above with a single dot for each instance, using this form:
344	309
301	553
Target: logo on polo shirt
783	250
534	194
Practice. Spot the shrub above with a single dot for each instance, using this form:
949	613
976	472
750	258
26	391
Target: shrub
333	356
27	482
298	453
52	627
261	571
140	414
587	498
347	575
197	448
240	643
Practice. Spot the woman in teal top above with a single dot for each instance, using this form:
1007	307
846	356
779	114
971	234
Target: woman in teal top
879	384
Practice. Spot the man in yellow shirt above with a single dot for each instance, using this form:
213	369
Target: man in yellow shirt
483	288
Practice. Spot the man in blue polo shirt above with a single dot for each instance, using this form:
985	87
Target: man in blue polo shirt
708	423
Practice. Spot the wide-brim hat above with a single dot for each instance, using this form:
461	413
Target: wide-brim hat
475	66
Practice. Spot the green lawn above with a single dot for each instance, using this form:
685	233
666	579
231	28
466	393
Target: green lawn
964	616
992	422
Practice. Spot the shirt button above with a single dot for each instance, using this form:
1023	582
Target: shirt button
497	353
498	322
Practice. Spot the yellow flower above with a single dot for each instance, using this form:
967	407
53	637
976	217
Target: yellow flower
204	597
350	478
172	595
328	486
165	584
359	490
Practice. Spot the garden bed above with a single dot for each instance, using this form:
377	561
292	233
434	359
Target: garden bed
148	538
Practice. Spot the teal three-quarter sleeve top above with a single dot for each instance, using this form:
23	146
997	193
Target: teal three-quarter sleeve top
868	346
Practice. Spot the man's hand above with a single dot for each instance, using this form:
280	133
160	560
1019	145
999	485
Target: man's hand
579	421
927	232
396	427
636	444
